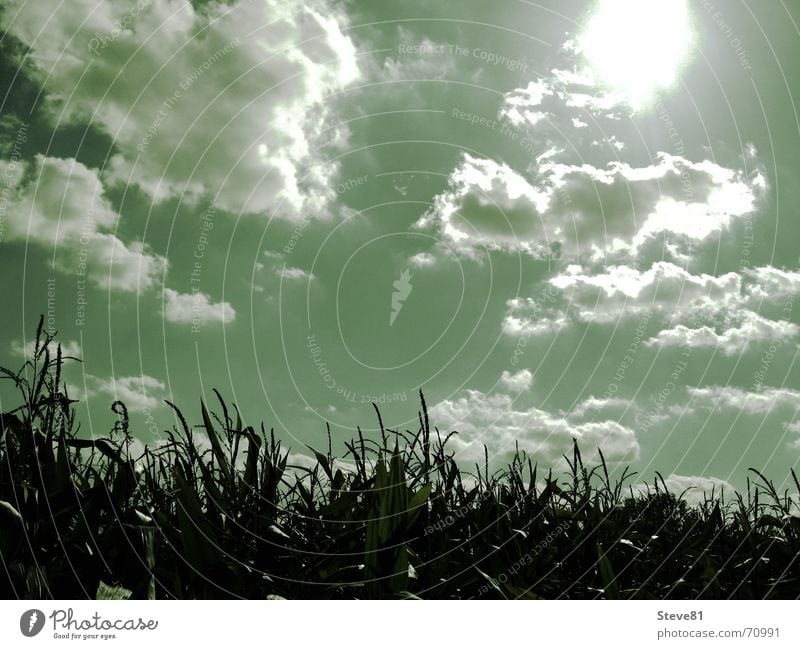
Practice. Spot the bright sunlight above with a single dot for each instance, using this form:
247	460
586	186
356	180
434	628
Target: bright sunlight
637	47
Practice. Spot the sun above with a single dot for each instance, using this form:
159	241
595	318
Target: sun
638	47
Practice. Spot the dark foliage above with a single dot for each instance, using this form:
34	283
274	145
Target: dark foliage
216	512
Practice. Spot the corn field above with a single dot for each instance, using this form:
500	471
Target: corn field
217	511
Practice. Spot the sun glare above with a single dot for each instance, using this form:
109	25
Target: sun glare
638	47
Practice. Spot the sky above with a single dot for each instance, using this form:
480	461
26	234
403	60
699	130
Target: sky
559	220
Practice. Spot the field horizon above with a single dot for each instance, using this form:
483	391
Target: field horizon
217	510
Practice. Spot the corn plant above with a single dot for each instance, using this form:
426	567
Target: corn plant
224	514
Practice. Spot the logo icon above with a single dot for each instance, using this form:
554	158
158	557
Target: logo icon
31	622
402	289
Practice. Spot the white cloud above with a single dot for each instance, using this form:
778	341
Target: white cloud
687	201
493	420
793	427
694	489
729	312
566	96
125	267
767	283
62	207
62	200
138	393
522	106
195	308
591	212
518	381
416	58
523	320
289	272
276	266
760	402
622	290
298	466
68	348
228	100
699	220
422	260
612	408
488	205
752	328
621	209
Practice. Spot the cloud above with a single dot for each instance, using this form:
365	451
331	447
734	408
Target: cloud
767	282
138	393
523	105
730	312
62	200
761	402
589	212
300	466
68	348
125	267
60	204
625	291
793	427
487	205
195	308
522	320
228	100
694	489
275	266
518	381
643	224
594	209
415	59
493	420
563	97
422	260
751	328
594	407
289	272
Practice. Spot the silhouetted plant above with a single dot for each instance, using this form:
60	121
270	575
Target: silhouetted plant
224	514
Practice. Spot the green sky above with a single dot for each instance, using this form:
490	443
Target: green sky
562	219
